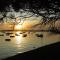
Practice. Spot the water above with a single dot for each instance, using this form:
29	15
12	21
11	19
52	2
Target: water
20	44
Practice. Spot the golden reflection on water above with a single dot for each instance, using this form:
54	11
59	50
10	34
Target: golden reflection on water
20	44
18	38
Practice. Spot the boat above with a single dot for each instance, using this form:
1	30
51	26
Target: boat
17	34
7	39
39	35
24	35
12	36
8	33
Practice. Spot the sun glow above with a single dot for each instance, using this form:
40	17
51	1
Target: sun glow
18	27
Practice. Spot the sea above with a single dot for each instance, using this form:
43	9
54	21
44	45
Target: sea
16	42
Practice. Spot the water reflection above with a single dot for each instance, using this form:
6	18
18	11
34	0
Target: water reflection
20	44
18	39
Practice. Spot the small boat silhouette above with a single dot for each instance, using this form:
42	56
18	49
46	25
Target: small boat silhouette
24	35
39	35
7	39
8	33
12	36
1	34
22	32
17	34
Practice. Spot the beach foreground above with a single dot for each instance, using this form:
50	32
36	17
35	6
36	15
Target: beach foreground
47	52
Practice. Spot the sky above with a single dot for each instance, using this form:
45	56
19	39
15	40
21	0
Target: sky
17	8
24	18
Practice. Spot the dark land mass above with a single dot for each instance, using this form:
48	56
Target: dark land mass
49	52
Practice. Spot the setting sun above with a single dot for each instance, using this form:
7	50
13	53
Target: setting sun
18	27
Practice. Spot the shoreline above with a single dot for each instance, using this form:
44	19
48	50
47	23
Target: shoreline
46	52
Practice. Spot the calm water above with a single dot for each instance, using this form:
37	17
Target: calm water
20	44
